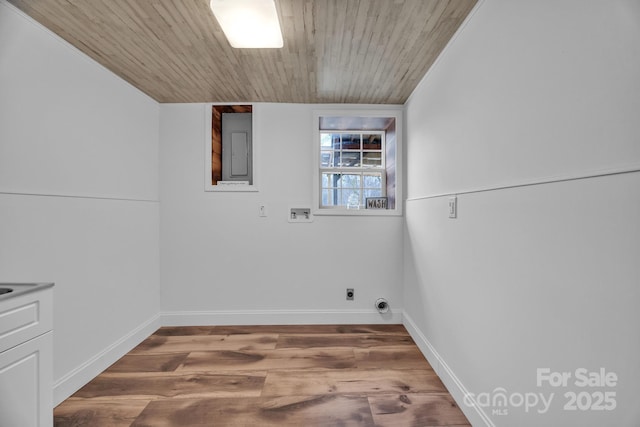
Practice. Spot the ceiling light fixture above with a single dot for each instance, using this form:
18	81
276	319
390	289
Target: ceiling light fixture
249	23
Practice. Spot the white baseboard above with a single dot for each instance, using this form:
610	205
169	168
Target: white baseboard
74	380
458	391
278	317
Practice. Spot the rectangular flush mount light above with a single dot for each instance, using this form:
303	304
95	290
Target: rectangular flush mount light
249	23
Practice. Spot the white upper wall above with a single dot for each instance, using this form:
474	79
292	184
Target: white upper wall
69	126
548	89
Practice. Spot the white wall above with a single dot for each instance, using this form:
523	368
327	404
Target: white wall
222	263
532	276
78	195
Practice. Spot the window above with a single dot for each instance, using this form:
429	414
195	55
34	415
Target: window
352	168
355	155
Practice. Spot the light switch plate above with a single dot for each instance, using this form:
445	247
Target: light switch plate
453	207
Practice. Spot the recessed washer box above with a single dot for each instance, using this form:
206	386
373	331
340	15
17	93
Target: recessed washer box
300	215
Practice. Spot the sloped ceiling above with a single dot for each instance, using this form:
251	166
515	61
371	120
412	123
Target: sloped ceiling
335	51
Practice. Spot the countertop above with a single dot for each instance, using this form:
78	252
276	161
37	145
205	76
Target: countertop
22	288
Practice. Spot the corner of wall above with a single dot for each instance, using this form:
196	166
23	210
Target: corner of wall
456	388
81	375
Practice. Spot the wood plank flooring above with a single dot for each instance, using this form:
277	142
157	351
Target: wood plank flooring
237	376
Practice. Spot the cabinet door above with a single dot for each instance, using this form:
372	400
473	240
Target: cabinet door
26	384
25	316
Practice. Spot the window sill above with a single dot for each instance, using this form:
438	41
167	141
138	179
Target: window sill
357	212
232	189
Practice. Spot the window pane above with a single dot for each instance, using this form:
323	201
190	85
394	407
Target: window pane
372	192
326	157
325	140
350	159
335	141
336	158
351	141
372	181
330	197
372	141
350	181
350	196
331	179
372	159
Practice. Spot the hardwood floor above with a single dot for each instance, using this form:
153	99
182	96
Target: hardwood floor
324	375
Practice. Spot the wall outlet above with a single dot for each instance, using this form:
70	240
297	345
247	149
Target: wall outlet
350	294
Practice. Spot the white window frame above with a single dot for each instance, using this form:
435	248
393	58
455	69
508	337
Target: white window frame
317	208
360	170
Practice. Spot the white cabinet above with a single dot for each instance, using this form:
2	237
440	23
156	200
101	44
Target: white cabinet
26	356
25	384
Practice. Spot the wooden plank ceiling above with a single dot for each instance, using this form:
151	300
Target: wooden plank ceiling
335	51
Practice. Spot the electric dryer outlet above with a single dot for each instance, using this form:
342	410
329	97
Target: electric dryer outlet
350	294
